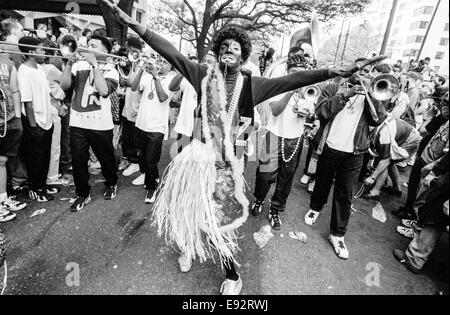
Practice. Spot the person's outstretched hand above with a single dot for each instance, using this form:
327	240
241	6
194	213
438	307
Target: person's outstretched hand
348	71
120	16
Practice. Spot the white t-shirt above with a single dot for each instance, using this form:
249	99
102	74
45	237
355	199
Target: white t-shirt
132	103
90	110
288	124
343	128
34	87
253	68
153	116
185	121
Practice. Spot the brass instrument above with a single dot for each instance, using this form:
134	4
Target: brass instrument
382	88
312	93
68	49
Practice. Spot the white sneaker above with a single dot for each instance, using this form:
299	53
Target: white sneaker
185	263
133	168
10	204
95	165
150	197
140	181
311	217
339	246
230	287
305	179
311	186
406	232
6	216
60	181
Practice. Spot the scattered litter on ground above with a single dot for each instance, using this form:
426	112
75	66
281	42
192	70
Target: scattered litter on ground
140	263
378	213
115	267
405	185
299	236
163	250
38	212
281	235
263	236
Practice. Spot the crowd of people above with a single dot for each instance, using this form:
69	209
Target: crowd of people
59	118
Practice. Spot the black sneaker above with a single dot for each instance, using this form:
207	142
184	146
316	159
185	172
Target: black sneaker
110	192
275	221
40	195
150	198
257	208
79	203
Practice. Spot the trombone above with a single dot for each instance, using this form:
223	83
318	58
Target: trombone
382	88
68	50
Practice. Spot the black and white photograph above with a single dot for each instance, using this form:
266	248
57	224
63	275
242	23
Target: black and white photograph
194	149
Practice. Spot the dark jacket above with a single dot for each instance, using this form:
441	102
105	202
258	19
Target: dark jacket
331	103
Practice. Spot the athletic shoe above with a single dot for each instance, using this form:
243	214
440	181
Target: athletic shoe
185	263
131	169
311	186
110	192
123	165
339	246
230	287
275	221
311	217
95	165
257	208
10	204
40	196
140	181
409	223
6	216
401	257
60	181
79	203
406	232
305	179
52	190
150	198
19	190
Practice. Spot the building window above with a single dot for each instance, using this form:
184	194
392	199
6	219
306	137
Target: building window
419	25
424	10
414	39
439	55
139	16
443	42
410	53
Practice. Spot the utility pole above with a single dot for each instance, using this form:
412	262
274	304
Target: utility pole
428	30
346	40
388	28
339	41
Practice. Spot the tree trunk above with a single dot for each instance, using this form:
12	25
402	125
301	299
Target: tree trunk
113	28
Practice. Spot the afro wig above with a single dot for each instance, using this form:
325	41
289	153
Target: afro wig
237	34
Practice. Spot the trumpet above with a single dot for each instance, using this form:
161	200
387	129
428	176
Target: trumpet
312	93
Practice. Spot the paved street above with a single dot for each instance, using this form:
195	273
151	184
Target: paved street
118	251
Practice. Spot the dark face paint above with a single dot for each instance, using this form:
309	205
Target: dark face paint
230	54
